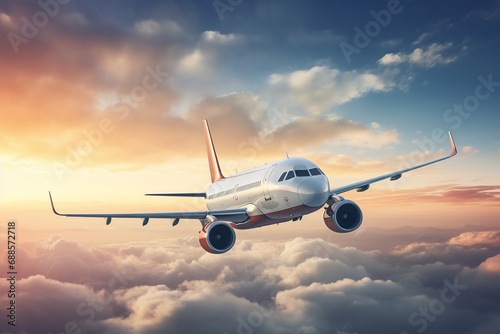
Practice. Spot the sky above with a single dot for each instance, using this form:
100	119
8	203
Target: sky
102	102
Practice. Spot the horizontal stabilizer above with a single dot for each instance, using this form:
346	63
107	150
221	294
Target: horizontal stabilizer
180	194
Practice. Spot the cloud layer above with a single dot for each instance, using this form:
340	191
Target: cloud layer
296	286
319	88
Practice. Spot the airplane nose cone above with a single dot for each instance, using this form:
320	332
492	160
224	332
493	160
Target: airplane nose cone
313	192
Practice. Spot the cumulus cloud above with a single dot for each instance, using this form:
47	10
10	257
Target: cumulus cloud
491	264
52	306
196	62
430	57
300	285
479	239
319	88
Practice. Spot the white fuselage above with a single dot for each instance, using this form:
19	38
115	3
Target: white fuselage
276	192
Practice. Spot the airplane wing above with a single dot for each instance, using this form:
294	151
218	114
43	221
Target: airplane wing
364	185
180	194
234	215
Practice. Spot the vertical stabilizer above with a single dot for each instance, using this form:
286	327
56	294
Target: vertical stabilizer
213	162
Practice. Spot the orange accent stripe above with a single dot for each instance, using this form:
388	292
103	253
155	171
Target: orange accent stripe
213	162
263	220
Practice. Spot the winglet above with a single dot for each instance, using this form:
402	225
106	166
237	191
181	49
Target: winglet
453	146
53	208
213	162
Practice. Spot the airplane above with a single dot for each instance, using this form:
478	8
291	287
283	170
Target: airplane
277	192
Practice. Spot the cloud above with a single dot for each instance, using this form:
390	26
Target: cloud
196	62
470	149
319	88
153	27
97	110
63	303
491	264
111	96
421	38
477	239
489	15
6	20
60	79
430	57
216	37
309	285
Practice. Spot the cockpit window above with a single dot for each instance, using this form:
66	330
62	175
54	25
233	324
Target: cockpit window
282	177
314	171
290	175
301	172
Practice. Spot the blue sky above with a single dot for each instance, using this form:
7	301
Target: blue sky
255	40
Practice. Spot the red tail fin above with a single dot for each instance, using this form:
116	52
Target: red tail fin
213	162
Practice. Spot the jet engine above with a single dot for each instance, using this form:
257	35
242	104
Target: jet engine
217	237
343	216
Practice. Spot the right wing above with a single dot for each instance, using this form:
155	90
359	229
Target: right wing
364	185
236	216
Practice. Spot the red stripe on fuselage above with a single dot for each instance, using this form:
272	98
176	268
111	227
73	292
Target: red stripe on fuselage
264	220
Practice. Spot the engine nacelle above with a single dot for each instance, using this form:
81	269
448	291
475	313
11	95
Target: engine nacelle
343	216
217	237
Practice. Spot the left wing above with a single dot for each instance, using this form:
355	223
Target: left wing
364	185
236	216
204	195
